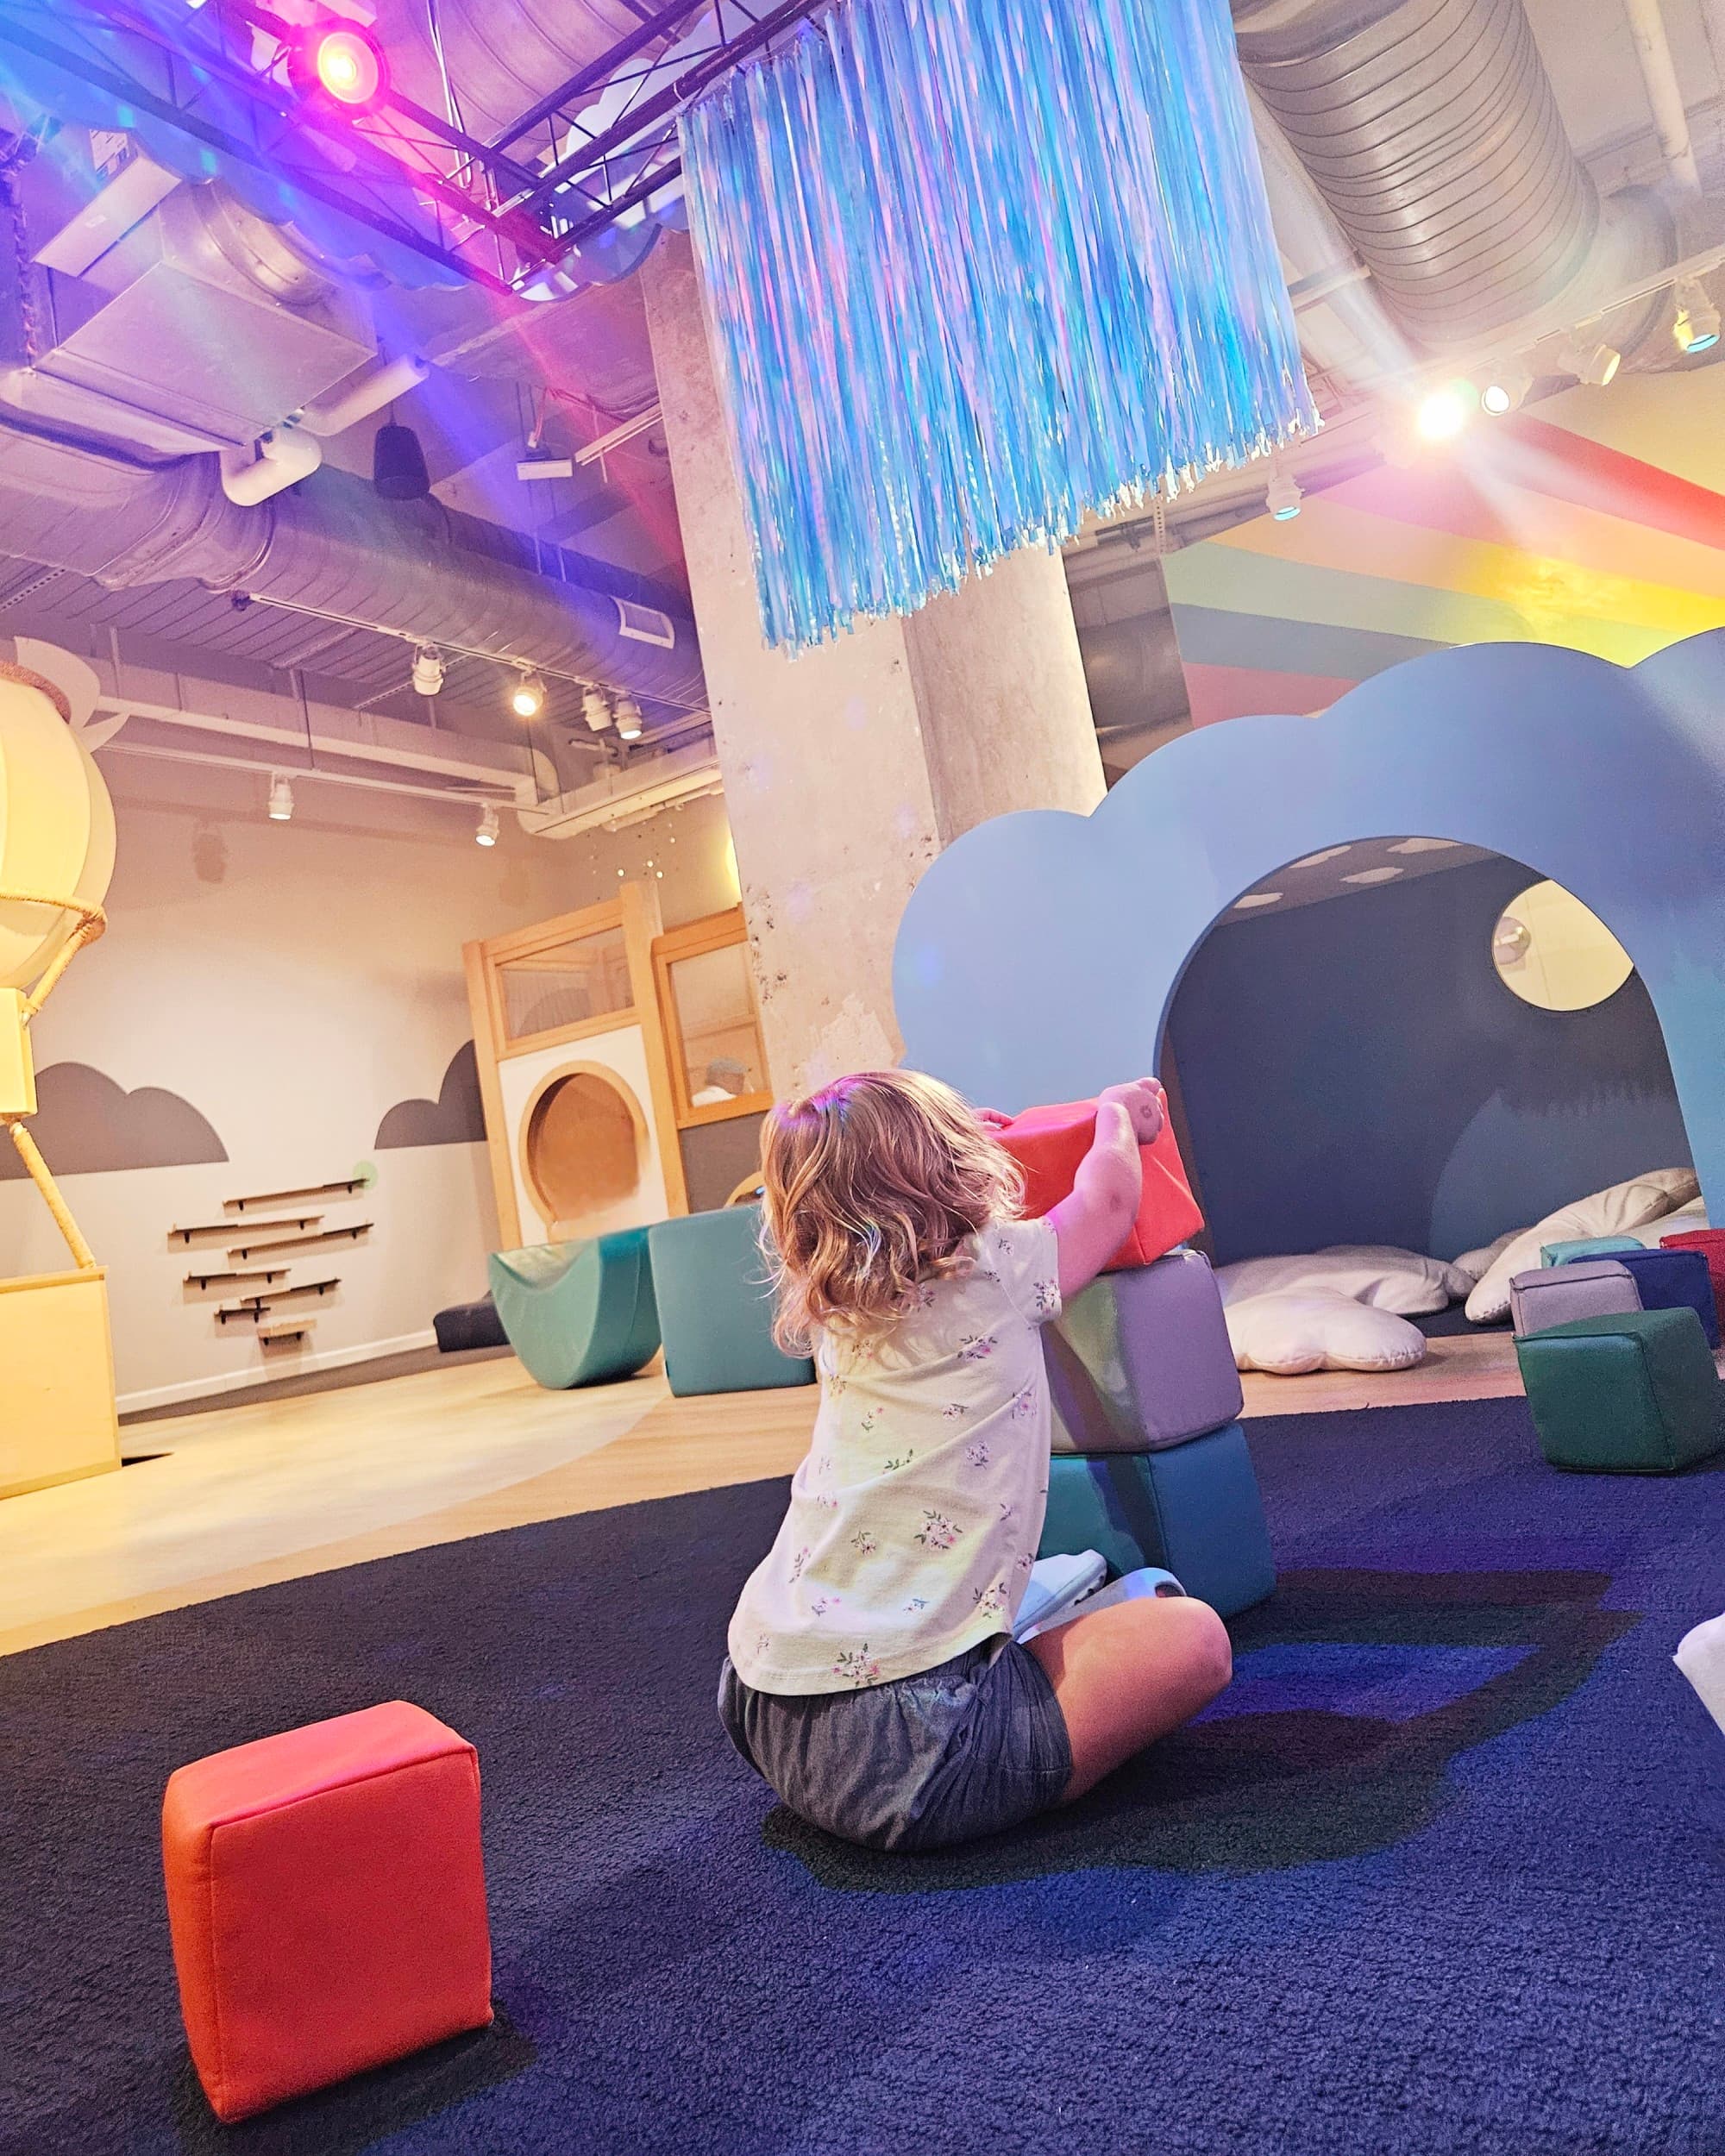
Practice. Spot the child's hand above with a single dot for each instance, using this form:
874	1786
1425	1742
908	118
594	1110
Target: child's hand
992	1119
1145	1106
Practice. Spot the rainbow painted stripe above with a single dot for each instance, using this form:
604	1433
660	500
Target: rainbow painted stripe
1542	536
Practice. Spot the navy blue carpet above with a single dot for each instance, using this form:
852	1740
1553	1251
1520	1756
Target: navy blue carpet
1441	1873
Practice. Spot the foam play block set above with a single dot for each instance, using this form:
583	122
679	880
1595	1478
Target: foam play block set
1630	1394
1151	1466
1585	1287
1048	1144
326	1897
716	1306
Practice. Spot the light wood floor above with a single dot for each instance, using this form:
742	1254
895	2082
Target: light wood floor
245	1496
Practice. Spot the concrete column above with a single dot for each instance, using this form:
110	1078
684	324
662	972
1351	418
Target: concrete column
848	769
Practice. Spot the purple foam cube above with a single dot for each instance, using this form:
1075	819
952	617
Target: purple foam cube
1141	1360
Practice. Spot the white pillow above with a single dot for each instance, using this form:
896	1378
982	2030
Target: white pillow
1619	1210
1286	1334
1477	1263
1373	1273
1685	1221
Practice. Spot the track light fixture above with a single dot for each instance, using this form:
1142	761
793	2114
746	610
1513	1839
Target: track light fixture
1595	364
596	709
527	698
427	671
487	833
1505	388
1697	327
1283	495
628	719
280	798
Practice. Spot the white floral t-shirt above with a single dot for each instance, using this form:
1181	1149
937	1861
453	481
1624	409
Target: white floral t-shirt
915	1518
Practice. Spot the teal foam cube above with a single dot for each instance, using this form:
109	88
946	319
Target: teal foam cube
1193	1508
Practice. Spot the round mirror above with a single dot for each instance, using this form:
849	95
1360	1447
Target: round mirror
1555	954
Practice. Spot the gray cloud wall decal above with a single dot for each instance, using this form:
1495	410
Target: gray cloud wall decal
86	1125
455	1118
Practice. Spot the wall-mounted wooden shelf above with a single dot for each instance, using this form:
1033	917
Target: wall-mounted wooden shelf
289	1330
226	1227
344	1188
300	1242
255	1306
213	1280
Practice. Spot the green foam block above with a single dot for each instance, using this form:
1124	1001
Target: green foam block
1632	1394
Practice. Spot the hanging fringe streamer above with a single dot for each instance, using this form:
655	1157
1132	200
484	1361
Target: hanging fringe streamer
976	267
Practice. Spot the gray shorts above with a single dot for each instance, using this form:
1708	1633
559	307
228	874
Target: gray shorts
972	1747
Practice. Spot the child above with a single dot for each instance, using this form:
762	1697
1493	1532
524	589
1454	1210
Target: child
873	1678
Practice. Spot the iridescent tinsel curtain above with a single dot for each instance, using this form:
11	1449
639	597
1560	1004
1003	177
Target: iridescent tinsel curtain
976	267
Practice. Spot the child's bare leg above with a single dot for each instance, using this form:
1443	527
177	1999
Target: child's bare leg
1126	1675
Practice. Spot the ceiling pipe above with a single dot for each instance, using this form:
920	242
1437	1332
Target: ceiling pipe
1664	94
368	391
331	545
1431	130
285	456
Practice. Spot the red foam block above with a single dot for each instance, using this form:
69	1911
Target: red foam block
1710	1242
326	1897
1048	1144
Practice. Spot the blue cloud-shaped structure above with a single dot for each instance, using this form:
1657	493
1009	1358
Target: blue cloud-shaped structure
1038	958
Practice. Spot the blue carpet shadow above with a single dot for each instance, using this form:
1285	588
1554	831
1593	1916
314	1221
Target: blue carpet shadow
1440	1873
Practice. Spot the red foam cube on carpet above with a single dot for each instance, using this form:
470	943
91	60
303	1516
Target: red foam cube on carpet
326	1896
1710	1242
1048	1144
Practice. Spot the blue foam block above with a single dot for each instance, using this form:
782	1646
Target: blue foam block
1675	1280
1194	1508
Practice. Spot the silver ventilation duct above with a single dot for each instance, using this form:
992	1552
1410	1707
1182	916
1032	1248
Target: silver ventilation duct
500	56
1430	128
330	547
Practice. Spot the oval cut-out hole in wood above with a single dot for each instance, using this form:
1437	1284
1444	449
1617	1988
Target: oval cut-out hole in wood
583	1145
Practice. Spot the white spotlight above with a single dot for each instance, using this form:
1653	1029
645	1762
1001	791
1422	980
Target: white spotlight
1595	364
1697	327
427	671
280	798
1283	497
527	698
596	709
1443	414
1504	390
487	833
628	719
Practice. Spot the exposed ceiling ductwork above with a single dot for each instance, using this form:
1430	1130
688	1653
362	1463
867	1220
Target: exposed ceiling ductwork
497	61
330	547
1430	129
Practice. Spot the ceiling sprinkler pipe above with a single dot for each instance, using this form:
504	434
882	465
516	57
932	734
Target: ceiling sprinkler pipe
1665	92
380	384
285	456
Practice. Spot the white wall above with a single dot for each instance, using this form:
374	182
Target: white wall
294	981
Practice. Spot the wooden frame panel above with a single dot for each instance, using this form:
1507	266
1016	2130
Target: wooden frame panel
642	926
481	1007
715	932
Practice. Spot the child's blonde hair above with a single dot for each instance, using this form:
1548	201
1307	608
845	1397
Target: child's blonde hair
871	1186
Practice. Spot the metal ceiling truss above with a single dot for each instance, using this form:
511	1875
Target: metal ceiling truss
590	155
